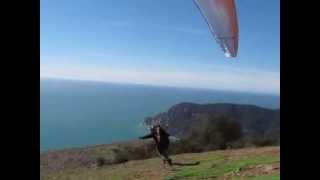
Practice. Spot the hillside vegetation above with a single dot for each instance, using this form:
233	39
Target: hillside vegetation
182	118
248	164
211	141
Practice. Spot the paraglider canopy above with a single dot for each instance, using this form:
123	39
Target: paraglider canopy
221	18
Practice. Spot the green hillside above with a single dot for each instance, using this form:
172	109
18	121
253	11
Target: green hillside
249	163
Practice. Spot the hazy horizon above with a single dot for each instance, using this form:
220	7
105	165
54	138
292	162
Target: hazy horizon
156	85
78	113
107	65
166	43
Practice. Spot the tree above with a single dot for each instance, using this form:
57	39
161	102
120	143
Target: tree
216	133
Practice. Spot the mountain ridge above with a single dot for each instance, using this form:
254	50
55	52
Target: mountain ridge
183	117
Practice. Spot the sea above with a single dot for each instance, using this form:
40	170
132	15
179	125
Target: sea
76	113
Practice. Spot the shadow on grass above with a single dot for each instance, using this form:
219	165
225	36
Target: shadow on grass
186	164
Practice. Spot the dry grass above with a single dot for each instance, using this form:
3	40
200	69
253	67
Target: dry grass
248	163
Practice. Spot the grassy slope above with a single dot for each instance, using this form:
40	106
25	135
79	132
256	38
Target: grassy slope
250	163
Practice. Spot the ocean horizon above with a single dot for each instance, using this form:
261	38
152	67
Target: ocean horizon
76	113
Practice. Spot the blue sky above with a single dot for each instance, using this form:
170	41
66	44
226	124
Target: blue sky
159	42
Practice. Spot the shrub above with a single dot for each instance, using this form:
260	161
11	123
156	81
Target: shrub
120	156
184	146
215	133
100	161
260	142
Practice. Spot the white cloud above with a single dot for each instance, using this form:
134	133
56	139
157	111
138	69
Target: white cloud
220	79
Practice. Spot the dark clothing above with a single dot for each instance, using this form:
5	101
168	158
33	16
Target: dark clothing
164	142
164	155
162	145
